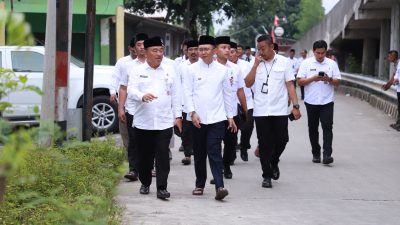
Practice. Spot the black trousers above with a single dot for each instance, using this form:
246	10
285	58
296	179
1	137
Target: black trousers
272	134
132	152
230	142
246	130
398	108
315	114
153	144
187	136
207	141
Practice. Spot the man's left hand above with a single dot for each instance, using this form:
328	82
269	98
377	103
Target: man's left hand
296	113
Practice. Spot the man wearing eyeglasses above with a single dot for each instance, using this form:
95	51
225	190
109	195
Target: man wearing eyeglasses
273	85
208	99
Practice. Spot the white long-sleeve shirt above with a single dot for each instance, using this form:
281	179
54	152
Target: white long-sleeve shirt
208	92
162	82
237	81
124	78
119	70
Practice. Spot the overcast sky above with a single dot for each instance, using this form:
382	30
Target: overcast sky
327	4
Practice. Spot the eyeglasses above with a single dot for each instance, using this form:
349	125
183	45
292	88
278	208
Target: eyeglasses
205	49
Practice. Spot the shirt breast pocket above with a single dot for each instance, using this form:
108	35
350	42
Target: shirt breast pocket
278	73
144	85
198	82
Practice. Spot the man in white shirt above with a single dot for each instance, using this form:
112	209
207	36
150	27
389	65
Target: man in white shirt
156	90
303	56
319	76
208	99
185	55
273	85
223	47
293	62
247	121
247	54
187	135
126	109
393	57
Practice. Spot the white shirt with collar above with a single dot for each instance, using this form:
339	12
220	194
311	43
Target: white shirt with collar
245	68
397	75
208	92
275	102
128	67
319	92
244	57
162	82
119	70
236	81
182	72
293	65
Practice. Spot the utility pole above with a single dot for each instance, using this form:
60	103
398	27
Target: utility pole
89	61
55	80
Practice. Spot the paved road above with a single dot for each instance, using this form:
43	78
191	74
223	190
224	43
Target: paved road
362	187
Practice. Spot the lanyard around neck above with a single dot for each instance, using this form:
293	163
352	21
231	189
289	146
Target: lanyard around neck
268	72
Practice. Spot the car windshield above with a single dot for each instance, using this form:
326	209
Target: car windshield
77	62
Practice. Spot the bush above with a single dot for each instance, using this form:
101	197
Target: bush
73	184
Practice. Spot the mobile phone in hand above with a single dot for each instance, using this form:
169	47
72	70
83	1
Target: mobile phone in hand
291	117
321	73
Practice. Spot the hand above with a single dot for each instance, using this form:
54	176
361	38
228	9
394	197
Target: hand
396	81
326	78
113	99
121	114
317	78
178	123
258	59
296	113
231	125
148	97
196	120
386	86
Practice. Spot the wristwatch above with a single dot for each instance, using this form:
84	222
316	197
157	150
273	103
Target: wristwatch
179	117
296	106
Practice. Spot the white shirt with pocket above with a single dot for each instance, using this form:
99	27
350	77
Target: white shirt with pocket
162	82
128	66
208	92
318	92
272	100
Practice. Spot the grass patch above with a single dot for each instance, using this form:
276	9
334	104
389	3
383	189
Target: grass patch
73	184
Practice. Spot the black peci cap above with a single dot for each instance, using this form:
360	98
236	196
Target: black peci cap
192	43
233	44
138	37
154	41
222	40
206	40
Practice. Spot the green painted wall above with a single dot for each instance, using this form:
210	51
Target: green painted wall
103	7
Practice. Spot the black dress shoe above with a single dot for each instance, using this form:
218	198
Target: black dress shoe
163	194
327	160
221	193
267	183
144	190
316	159
275	172
132	176
244	155
212	181
228	173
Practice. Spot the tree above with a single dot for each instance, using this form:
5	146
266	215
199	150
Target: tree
194	15
251	20
311	12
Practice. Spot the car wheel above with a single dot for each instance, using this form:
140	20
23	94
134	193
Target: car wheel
104	115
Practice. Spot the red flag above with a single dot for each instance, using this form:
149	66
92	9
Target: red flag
276	21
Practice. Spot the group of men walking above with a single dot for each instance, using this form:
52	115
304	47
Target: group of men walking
209	94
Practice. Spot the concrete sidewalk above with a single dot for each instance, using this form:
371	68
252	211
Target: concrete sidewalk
362	187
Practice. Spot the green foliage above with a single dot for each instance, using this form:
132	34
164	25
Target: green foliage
18	32
353	65
311	12
72	184
194	15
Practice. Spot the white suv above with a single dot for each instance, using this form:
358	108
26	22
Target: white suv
30	60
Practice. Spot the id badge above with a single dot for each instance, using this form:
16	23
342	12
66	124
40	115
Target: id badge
264	88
